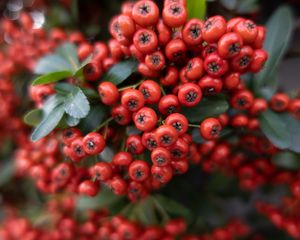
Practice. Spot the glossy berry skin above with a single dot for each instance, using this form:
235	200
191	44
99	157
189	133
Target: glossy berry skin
134	144
210	128
92	71
192	32
179	149
210	85
93	143
295	189
231	81
294	108
155	61
232	22
215	66
279	102
149	141
132	99
145	13
230	45
242	61
164	33
122	159
139	170
102	171
145	119
162	174
242	100
160	156
88	188
108	92
126	25
260	56
240	121
189	94
174	15
77	149
194	68
121	115
69	135
118	186
151	91
168	104
165	136
175	50
170	77
145	41
259	105
247	30
213	29
260	38
178	121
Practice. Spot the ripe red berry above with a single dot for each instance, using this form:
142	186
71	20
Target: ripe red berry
145	41
162	174
174	15
102	171
247	30
121	115
92	71
134	144
242	61
151	91
93	143
117	185
259	58
149	141
231	81
126	25
210	128
279	102
160	156
189	94
294	108
178	121
122	159
175	50
213	29
145	13
210	85
191	32
165	136
88	188
230	45
155	61
145	119
194	68
139	170
108	92
215	66
132	99
242	99
77	149
168	104
69	135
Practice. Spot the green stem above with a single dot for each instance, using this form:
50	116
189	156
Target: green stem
163	90
103	124
130	86
194	125
165	216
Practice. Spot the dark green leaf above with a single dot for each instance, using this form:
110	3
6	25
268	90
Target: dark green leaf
69	52
172	207
196	8
275	129
279	31
51	63
196	136
52	77
90	93
121	71
49	123
293	126
34	117
7	171
52	102
287	160
208	107
93	119
76	104
104	199
247	6
64	88
71	121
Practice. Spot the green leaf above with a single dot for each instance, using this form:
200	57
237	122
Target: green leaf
275	129
76	104
7	171
52	77
69	52
172	207
71	121
93	119
293	126
279	31
51	63
208	107
121	71
49	123
79	71
33	118
196	9
52	102
287	160
64	88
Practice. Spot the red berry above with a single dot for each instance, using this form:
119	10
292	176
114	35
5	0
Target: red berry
145	13
145	41
165	136
88	188
101	171
189	94
230	45
213	29
151	91
210	128
215	66
108	92
178	121
122	159
160	156
191	32
139	170
132	99
174	15
93	143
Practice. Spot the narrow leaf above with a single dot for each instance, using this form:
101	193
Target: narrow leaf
52	102
48	123
275	129
51	63
208	107
71	121
52	77
196	8
121	71
279	31
76	104
96	115
34	117
7	171
69	52
287	160
293	126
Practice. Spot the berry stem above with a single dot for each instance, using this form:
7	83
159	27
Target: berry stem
194	125
103	124
163	90
130	86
